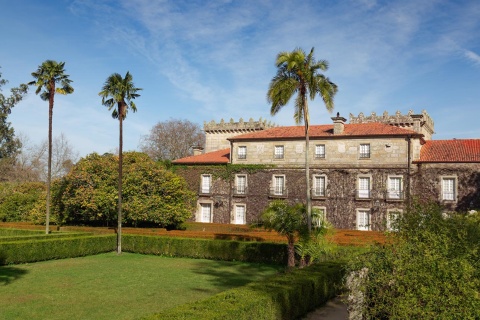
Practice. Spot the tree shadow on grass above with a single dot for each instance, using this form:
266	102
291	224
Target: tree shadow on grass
9	274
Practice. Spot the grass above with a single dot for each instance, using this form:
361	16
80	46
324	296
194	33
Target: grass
108	286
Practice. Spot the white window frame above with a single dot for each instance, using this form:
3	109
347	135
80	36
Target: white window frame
200	215
204	187
242	152
318	221
392	215
279	152
363	215
276	188
317	178
364	151
448	192
363	193
235	216
238	186
320	151
395	190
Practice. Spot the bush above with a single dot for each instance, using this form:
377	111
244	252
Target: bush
285	296
18	199
430	269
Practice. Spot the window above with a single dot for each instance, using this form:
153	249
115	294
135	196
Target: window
240	214
363	191
364	151
363	219
319	216
319	186
449	188
394	191
205	212
279	152
278	188
320	151
206	184
240	184
242	152
392	217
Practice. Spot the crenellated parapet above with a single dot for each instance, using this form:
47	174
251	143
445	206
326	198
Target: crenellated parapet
421	123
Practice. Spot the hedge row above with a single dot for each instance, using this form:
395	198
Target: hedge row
16	232
260	252
31	251
43	236
285	296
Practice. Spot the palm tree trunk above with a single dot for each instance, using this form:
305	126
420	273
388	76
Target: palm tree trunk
120	174
307	165
291	253
49	162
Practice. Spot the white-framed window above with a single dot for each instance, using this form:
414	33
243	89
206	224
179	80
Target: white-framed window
364	187
449	188
242	152
392	217
206	184
240	214
205	212
278	185
319	186
320	151
363	219
319	215
240	184
394	188
364	151
279	152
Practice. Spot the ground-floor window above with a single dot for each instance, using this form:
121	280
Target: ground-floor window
392	217
319	216
363	219
205	214
240	211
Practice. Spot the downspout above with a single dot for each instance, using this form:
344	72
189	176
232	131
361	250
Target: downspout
230	189
409	161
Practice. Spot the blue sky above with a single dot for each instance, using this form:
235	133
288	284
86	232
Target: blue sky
207	60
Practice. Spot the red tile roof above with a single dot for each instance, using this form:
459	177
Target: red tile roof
214	157
326	131
456	150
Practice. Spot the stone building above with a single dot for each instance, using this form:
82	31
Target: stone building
362	173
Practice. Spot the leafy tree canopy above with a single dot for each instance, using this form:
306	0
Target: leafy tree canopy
151	194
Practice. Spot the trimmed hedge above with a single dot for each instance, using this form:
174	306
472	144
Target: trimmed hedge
286	296
16	232
31	251
260	252
43	236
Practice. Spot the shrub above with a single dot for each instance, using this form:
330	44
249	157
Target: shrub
428	270
18	199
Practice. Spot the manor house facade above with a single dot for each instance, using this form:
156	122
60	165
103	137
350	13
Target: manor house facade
362	173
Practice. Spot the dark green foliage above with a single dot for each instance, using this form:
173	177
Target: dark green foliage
14	252
429	270
206	249
151	195
11	232
18	199
285	296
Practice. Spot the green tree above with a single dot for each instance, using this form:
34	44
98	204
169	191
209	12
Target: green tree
118	94
152	195
288	220
298	73
48	74
429	269
9	144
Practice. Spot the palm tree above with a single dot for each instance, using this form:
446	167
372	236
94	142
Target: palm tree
117	94
48	74
299	73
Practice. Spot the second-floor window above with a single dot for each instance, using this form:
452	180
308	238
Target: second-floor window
364	151
206	184
319	184
241	184
448	189
279	152
242	152
363	187
320	151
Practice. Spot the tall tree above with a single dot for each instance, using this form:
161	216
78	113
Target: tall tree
48	74
298	73
117	94
172	139
9	145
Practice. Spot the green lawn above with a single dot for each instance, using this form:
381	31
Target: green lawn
108	286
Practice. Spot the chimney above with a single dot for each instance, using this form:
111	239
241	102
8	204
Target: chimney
197	150
338	124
